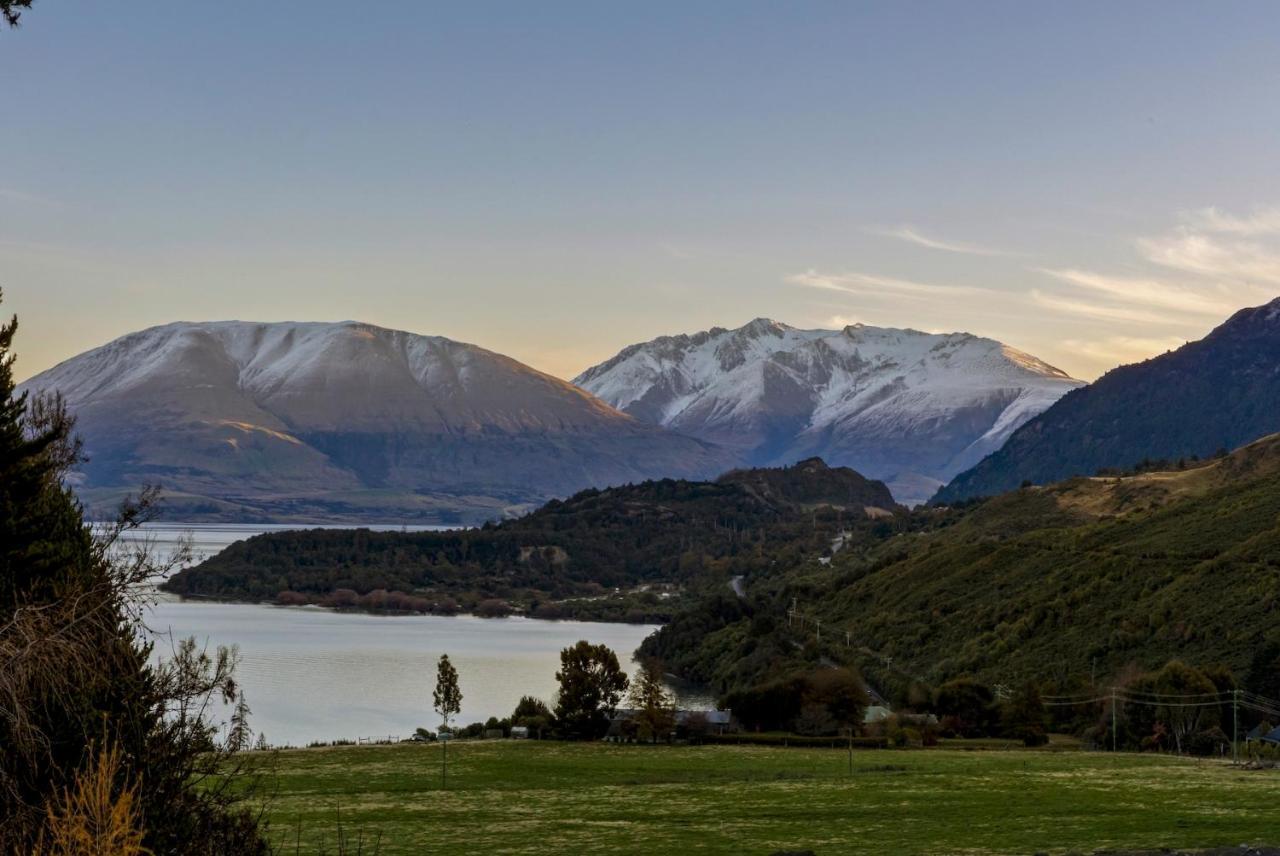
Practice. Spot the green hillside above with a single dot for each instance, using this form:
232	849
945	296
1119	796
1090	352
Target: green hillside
1053	584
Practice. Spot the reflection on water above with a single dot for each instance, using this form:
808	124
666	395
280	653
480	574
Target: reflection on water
313	674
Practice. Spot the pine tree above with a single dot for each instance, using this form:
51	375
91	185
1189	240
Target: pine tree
240	737
655	711
76	683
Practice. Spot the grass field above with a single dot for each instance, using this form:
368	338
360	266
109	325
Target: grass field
531	797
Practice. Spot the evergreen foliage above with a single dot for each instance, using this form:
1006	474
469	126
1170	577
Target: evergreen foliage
76	687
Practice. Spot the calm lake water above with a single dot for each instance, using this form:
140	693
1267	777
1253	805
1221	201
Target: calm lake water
313	674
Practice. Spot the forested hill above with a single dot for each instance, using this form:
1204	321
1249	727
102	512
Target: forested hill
1217	393
668	531
1057	583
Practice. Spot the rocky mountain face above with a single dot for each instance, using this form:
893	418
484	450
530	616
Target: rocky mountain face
345	421
1214	394
907	407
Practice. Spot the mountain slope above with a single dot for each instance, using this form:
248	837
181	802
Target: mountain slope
344	421
1059	583
1217	393
908	407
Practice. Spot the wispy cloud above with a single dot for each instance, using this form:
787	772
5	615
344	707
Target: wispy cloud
914	236
1265	220
1118	350
865	284
1099	311
1145	292
1208	256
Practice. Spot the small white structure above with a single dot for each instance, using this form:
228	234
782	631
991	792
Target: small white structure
876	713
519	732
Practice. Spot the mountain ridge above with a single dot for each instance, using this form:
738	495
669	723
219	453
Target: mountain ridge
901	405
1219	392
336	421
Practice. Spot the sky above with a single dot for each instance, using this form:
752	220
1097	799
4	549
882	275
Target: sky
1093	183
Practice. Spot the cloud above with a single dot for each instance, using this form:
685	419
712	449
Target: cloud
911	235
1208	256
1098	311
1120	350
1265	220
842	321
864	284
1146	292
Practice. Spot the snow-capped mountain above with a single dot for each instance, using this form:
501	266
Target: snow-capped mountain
907	407
344	421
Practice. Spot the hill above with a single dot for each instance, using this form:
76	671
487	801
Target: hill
907	407
345	422
1217	393
1058	584
666	533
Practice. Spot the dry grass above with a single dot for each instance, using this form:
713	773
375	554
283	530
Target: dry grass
95	817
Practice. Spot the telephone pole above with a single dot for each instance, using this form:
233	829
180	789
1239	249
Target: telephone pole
1113	719
1235	726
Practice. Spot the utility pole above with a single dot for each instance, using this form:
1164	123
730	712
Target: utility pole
1113	719
1235	726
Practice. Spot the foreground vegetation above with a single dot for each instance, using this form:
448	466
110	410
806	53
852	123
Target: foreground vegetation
534	797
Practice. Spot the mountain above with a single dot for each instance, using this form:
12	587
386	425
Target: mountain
1217	393
669	533
1062	583
345	421
907	407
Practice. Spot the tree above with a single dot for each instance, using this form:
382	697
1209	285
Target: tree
591	683
1023	716
968	705
447	699
532	713
655	711
12	10
79	693
1264	670
240	737
1187	690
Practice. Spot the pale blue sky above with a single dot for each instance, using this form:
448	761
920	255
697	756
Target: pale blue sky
1091	182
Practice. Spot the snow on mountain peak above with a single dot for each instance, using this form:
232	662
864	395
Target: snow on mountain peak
891	403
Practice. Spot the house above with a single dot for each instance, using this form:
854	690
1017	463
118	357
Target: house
876	713
519	732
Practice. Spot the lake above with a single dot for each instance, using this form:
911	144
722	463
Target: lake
314	674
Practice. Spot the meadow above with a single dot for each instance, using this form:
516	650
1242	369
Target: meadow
530	797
